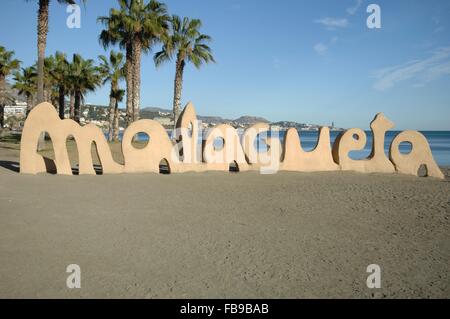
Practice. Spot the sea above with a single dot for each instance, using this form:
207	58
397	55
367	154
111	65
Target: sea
439	142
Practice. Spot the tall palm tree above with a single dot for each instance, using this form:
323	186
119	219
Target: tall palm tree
136	27
189	45
50	85
42	30
25	84
118	95
112	70
114	33
7	65
84	76
60	75
71	90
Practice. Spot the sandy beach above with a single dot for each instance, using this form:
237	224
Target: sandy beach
217	235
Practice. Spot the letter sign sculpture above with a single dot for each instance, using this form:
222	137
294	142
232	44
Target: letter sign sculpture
184	154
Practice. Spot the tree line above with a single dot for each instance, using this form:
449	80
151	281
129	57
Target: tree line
135	27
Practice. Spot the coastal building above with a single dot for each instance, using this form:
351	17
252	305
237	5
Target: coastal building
164	121
14	115
19	109
276	128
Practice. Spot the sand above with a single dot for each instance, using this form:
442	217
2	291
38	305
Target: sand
217	235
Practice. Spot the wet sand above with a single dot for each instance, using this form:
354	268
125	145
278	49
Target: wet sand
217	235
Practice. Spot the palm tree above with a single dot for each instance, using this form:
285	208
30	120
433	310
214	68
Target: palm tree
25	84
42	30
136	27
112	70
118	97
84	76
50	89
71	90
114	33
60	75
189	45
7	65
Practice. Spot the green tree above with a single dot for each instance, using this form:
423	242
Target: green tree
50	85
188	45
7	65
112	70
25	84
60	76
14	122
42	31
136	26
118	97
84	77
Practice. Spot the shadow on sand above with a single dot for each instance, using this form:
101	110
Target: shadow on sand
15	166
49	165
12	166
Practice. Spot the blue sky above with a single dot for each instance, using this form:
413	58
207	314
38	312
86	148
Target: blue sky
309	61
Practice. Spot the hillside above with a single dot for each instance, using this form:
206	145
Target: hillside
164	116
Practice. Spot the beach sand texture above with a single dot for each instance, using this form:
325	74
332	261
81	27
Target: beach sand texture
218	235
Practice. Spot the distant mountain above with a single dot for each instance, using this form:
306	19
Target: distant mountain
289	124
250	120
152	112
212	119
155	110
207	119
241	122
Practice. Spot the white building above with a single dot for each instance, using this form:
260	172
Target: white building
19	109
164	120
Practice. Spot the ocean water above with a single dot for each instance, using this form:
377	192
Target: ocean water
439	142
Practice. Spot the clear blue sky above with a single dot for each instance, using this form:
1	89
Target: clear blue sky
308	61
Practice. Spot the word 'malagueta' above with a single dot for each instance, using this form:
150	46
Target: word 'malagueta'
185	154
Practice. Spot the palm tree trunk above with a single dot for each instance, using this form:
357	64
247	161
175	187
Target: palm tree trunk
55	101
72	105
29	103
61	101
48	95
2	99
2	114
77	107
129	80
112	104
116	122
177	89
42	30
137	52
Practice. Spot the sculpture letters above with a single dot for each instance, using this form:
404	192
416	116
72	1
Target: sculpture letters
185	154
